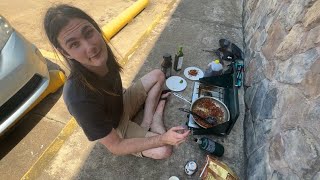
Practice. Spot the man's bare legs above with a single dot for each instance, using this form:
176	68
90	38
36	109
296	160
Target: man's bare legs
152	83
157	124
153	112
157	128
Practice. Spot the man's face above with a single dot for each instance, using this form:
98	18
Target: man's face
82	42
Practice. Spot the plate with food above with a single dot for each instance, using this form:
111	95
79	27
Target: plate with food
176	83
193	73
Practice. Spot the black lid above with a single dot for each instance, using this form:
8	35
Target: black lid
167	56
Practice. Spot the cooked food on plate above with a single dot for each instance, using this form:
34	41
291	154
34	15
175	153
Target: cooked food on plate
193	72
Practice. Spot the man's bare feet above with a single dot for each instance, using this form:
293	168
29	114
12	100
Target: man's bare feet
157	124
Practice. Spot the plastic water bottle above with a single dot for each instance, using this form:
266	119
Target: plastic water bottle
210	146
214	69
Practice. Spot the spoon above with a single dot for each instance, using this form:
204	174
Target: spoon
181	97
209	119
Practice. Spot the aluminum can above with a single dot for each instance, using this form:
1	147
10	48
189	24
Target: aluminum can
191	167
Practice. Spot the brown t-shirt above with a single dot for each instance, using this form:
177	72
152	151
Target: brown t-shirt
96	113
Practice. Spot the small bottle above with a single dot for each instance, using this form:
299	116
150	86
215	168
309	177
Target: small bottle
178	60
214	69
210	146
166	65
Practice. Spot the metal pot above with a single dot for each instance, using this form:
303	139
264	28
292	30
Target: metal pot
196	106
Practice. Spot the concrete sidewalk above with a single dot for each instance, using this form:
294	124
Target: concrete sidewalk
195	25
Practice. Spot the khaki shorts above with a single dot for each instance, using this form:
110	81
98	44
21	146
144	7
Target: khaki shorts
133	99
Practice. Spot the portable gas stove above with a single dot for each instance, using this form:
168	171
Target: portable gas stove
223	88
200	90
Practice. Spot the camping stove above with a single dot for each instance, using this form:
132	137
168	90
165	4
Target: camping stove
200	90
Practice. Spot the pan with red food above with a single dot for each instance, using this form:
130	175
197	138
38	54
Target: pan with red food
210	107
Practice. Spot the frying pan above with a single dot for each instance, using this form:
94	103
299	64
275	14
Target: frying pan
218	103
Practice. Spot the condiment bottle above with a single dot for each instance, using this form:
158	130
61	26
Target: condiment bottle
214	69
166	65
210	146
178	60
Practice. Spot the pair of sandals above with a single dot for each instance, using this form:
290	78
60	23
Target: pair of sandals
227	51
165	91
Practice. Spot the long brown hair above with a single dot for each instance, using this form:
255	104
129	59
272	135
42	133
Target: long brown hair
58	17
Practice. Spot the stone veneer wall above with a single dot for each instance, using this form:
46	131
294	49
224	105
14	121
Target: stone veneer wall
282	82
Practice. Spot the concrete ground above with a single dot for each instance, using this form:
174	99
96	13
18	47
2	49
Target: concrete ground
193	24
23	146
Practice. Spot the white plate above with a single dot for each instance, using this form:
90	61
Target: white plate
194	78
176	83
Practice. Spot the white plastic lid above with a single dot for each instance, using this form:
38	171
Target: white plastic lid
173	178
216	66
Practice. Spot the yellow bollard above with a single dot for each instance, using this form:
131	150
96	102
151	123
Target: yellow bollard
113	27
57	79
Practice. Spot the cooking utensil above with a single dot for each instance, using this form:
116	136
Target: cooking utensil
209	119
181	97
206	123
219	104
224	43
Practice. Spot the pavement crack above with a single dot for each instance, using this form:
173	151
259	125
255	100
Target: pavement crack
49	118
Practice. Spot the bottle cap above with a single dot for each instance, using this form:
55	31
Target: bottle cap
198	141
217	61
167	56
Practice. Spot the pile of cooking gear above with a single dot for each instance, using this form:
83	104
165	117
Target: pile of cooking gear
228	84
214	107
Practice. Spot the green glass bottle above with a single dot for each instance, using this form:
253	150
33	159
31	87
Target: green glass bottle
178	60
210	146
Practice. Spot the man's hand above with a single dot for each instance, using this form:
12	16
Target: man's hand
172	137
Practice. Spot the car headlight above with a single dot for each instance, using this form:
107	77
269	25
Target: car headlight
5	31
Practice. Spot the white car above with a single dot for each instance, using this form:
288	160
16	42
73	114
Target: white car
24	75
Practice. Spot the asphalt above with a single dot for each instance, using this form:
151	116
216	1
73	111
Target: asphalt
194	25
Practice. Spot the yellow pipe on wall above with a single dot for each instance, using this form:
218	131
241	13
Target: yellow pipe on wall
113	27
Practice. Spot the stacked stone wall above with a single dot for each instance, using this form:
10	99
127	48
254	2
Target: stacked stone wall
282	89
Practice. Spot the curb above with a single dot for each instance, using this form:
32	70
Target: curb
50	152
55	146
